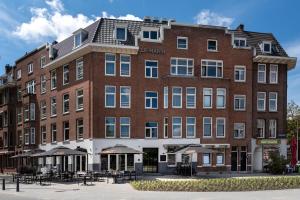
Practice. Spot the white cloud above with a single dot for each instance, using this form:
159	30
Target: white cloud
54	23
207	17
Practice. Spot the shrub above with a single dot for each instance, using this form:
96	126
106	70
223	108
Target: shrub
278	163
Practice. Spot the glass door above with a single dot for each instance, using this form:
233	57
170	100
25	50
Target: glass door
150	160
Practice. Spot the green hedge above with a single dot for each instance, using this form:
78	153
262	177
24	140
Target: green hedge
221	184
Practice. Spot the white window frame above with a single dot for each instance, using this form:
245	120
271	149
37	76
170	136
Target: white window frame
150	29
80	40
210	90
206	164
239	97
26	136
151	130
186	42
166	97
125	124
176	124
78	107
190	124
276	101
53	131
212	40
224	123
53	107
191	95
204	64
26	113
151	100
109	61
263	46
211	125
64	102
219	90
43	85
273	72
127	63
116	34
240	68
261	71
43	106
30	68
264	127
223	159
110	124
239	130
187	66
79	64
66	73
273	128
110	93
166	127
66	129
78	127
43	134
151	68
53	78
19	115
125	94
42	61
239	39
259	99
19	74
176	94
30	86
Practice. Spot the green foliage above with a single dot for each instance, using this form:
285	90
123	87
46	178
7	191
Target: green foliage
221	184
293	115
278	163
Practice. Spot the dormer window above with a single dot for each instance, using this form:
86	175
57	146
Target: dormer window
79	37
266	47
77	40
150	35
240	42
121	33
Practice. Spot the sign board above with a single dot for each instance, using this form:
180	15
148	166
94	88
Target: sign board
152	50
268	141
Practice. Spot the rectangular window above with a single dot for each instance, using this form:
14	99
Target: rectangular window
30	68
125	65
266	47
79	129
19	93
19	74
212	68
43	109
66	103
151	130
26	113
151	69
166	97
26	136
79	99
30	86
66	127
240	42
191	127
77	40
171	160
43	135
260	128
121	33
261	73
110	127
53	106
182	67
43	84
239	73
125	96
221	98
239	102
272	128
239	130
53	79
32	111
206	159
150	35
220	127
53	133
273	74
19	115
212	45
166	127
124	127
43	61
207	126
182	43
261	101
110	64
110	96
273	101
79	69
177	97
176	127
20	138
32	135
207	97
190	97
66	77
220	159
151	100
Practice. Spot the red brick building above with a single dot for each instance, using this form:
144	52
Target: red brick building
155	86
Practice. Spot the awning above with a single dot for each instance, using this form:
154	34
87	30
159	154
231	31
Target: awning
59	151
28	153
120	149
289	61
6	152
194	148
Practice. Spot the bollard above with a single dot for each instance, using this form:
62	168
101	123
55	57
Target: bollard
18	185
3	184
84	180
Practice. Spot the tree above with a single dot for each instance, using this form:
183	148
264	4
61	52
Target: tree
293	114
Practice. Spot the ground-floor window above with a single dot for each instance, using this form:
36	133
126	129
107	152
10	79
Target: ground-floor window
121	162
206	159
171	159
185	158
220	159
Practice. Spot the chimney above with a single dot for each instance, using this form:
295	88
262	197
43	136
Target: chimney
240	27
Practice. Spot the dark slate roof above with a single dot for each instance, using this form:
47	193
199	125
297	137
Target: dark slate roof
254	39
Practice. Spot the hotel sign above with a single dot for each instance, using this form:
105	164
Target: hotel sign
152	50
268	141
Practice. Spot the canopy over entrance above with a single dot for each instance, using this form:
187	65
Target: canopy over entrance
120	149
28	153
59	151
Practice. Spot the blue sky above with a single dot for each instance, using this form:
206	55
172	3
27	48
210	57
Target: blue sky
27	24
